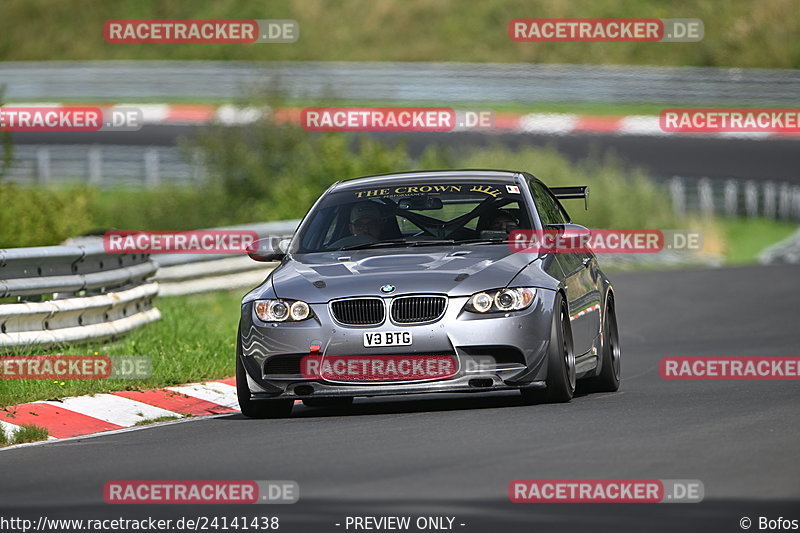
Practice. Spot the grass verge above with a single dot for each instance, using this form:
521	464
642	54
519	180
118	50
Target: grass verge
194	341
746	238
157	420
23	435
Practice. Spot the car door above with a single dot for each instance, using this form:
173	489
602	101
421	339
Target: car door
589	280
576	266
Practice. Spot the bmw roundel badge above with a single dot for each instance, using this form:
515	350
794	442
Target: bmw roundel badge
388	288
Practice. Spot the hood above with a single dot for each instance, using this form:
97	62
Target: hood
451	270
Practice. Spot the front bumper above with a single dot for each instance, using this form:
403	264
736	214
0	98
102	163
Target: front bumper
483	382
516	342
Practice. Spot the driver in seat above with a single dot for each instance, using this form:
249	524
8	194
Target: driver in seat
366	219
497	220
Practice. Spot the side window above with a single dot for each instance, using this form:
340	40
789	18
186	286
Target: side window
549	210
337	220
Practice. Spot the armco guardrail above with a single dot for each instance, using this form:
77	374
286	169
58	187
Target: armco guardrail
186	274
398	81
79	292
95	295
786	251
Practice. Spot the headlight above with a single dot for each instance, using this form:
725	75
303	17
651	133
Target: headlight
282	310
299	310
501	300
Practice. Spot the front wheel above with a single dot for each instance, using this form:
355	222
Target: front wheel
258	408
560	360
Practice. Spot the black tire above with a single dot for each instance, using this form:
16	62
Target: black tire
332	403
560	361
258	408
609	377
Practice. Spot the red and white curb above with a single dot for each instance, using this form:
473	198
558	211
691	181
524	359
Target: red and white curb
86	415
538	123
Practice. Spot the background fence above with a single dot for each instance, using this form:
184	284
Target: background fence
150	166
398	81
735	198
104	165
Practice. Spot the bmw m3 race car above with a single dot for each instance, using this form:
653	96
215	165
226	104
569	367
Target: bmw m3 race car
406	283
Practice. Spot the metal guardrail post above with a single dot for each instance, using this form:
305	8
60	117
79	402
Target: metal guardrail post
731	195
152	178
796	202
751	199
198	173
706	194
784	202
769	199
678	193
43	165
94	163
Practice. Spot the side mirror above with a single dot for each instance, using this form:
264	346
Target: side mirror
269	249
573	236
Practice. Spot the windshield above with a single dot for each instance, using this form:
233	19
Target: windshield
414	214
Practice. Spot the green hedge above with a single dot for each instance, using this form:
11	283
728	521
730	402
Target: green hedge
275	172
36	217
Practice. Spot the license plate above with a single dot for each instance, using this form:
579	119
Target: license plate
387	338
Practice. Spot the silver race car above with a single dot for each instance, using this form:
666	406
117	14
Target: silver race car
410	283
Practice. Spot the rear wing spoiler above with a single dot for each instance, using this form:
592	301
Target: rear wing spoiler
572	193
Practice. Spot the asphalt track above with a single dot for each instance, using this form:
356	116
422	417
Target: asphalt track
456	455
689	156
